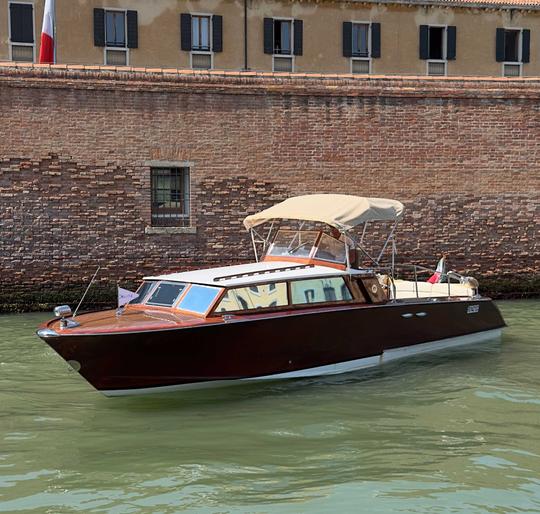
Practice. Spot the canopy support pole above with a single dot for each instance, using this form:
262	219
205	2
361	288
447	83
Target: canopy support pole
252	233
390	236
363	233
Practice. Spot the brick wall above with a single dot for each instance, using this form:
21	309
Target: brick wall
462	154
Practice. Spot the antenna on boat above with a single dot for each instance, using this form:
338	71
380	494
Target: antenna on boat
91	281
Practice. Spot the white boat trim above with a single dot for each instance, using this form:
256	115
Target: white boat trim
330	369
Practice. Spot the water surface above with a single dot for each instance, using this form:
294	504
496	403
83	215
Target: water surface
441	433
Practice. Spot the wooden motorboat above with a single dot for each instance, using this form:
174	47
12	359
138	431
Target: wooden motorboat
305	308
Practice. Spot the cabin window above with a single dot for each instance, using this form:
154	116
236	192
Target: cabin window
199	298
170	197
166	294
331	249
292	243
317	290
260	296
143	290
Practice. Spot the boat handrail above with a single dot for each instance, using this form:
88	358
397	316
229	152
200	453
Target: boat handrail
417	268
263	272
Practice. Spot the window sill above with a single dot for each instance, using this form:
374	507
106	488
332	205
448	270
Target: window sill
170	230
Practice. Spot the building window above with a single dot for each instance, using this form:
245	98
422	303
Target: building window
170	197
201	56
361	43
360	39
437	47
115	28
202	36
283	39
512	45
117	32
436	43
513	49
115	38
200	33
21	32
512	53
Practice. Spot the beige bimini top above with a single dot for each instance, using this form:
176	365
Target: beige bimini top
340	211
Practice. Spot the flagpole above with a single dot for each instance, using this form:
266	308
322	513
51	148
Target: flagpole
54	30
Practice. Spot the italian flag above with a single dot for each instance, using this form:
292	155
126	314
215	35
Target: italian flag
46	50
439	272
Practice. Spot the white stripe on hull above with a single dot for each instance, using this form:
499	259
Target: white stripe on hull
331	369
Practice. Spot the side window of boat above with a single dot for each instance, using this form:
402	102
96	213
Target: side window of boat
317	290
258	296
166	293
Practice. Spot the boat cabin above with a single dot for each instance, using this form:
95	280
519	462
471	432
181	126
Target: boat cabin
271	285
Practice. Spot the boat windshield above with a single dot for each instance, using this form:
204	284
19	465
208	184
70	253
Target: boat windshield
295	243
166	294
331	249
199	298
143	290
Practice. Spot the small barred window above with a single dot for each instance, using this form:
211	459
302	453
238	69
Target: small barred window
170	197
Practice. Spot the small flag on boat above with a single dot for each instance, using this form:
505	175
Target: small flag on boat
46	49
125	296
440	272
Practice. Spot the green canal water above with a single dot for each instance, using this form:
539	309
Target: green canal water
442	433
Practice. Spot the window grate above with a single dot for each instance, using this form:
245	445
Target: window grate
201	61
512	70
360	66
170	197
22	53
283	63
436	68
116	57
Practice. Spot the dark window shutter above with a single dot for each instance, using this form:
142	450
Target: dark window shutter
451	43
132	30
185	32
424	42
375	40
526	45
268	35
499	45
217	33
99	27
21	23
298	37
347	39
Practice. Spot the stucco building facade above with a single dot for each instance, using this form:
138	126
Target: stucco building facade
420	37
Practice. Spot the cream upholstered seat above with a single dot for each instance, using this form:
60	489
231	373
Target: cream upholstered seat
407	289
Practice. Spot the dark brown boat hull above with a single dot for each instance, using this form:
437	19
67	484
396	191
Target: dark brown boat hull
274	346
